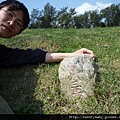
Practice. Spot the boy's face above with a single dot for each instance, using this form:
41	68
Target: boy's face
11	22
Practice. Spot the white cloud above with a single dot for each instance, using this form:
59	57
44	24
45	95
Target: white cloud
88	7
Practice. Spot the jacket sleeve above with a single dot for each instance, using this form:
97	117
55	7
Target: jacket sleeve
15	57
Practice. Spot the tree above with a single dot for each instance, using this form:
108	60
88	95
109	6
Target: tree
94	18
48	16
78	21
111	15
66	18
34	19
86	20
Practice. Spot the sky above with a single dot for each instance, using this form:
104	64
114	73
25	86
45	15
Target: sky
80	5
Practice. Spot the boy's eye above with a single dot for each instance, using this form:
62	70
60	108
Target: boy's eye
10	14
19	23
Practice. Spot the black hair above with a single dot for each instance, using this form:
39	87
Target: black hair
16	5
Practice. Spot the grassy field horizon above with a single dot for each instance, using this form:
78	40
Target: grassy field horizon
35	89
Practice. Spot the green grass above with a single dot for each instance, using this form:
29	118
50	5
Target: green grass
36	88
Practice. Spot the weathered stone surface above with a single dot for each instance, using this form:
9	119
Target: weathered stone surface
4	107
77	75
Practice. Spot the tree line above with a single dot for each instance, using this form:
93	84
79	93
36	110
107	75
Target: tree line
49	17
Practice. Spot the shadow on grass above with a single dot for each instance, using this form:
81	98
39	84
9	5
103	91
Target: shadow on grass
17	87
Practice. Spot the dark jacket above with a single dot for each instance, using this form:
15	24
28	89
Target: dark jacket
10	57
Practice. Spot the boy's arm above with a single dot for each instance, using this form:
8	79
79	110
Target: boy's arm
57	57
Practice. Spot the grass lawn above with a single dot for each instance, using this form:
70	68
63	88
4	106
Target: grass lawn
35	89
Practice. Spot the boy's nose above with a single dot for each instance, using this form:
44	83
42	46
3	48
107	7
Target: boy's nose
11	22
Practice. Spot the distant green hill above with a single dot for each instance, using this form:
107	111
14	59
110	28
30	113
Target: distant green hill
35	89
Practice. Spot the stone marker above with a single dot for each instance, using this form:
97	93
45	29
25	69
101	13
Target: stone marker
77	75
